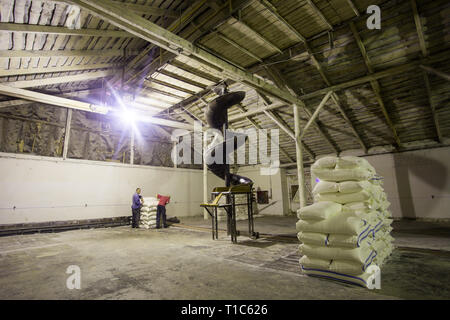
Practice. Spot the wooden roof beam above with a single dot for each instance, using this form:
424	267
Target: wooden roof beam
40	29
66	53
89	66
423	48
375	85
87	76
257	34
275	13
352	5
320	14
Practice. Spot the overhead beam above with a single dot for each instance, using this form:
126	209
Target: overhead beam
238	46
40	29
281	83
320	14
182	79
64	79
19	102
438	73
149	10
315	114
258	127
89	66
272	115
257	111
169	85
275	13
423	48
66	53
352	5
257	34
275	119
375	85
50	99
433	108
139	8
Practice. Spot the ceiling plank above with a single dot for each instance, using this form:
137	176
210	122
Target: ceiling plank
17	72
40	29
66	53
375	85
320	14
51	99
64	79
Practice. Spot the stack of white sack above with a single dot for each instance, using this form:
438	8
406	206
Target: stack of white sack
347	229
148	213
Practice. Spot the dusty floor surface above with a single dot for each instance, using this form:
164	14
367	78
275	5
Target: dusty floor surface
181	263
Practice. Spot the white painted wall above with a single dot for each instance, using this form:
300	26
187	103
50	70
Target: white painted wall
417	183
51	189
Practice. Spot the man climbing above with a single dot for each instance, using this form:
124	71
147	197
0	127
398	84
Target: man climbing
161	210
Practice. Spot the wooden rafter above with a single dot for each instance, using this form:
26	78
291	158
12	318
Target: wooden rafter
320	14
375	85
89	66
40	29
423	48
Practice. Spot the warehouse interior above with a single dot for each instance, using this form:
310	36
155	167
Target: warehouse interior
95	96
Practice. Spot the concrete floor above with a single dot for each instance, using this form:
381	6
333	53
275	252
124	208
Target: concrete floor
180	263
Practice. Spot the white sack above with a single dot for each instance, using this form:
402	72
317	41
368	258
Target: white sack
325	162
319	211
344	198
355	186
362	255
341	224
325	187
339	175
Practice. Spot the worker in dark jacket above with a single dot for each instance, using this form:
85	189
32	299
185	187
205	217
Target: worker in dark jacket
136	205
161	210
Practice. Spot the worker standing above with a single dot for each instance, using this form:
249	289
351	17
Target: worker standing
136	205
161	210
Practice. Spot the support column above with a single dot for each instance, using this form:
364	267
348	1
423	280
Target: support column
67	133
299	155
132	146
205	178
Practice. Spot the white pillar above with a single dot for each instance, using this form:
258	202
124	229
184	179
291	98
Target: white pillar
67	133
205	178
299	154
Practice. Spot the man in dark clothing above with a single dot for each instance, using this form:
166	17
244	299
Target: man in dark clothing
161	210
136	208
